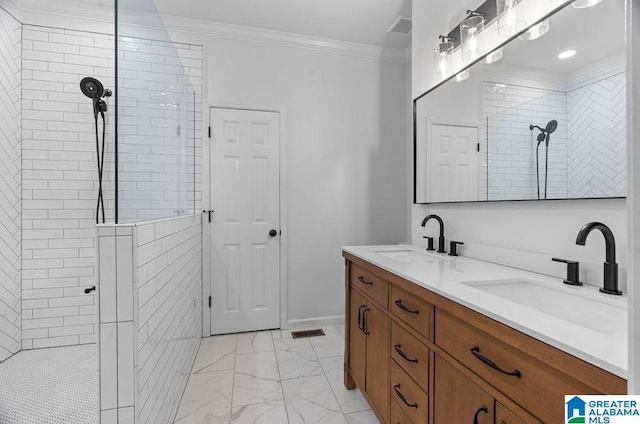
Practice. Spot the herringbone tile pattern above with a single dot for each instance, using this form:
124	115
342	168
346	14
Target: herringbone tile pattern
597	139
10	185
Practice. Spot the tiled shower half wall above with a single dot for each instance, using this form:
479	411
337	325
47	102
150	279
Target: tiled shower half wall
586	152
10	185
156	124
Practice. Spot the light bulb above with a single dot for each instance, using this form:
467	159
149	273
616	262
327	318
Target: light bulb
493	57
442	65
473	41
581	4
536	31
511	18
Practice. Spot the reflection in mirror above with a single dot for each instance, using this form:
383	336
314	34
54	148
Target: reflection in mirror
547	121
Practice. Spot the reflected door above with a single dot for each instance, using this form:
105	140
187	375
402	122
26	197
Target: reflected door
453	163
245	224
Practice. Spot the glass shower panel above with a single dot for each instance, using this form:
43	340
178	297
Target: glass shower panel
155	157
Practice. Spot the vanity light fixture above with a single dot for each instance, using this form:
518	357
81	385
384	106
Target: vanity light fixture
509	23
567	54
536	31
464	75
443	57
470	30
493	57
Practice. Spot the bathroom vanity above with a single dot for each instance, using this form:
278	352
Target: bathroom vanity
435	339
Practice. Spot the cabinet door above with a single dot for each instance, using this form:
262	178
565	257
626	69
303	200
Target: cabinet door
377	385
457	399
357	338
504	416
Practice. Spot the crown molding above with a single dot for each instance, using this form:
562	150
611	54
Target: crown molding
96	18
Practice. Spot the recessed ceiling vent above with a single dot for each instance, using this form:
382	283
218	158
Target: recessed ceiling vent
402	25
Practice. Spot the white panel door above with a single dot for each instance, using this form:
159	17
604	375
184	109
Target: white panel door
245	198
453	163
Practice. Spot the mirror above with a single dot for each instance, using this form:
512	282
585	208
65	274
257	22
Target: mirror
547	121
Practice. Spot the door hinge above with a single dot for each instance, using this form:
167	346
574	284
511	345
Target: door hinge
209	132
209	301
478	147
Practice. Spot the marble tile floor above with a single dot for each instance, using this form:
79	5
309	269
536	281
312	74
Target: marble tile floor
270	378
50	386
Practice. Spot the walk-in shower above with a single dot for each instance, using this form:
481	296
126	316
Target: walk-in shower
543	136
93	88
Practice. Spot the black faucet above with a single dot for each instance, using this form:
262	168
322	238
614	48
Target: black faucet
441	238
610	266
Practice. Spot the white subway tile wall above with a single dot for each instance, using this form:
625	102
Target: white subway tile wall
60	183
60	177
150	316
596	141
508	111
10	185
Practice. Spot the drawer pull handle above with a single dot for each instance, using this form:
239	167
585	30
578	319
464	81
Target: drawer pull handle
481	409
363	281
476	352
401	353
360	318
404	308
401	396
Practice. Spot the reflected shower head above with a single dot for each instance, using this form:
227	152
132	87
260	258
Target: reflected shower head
91	87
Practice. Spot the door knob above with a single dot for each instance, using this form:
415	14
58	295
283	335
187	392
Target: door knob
273	233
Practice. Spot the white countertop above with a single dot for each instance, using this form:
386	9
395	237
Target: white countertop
445	276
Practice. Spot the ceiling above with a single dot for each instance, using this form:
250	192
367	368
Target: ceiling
596	33
356	21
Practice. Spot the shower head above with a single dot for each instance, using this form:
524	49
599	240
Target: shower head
92	88
552	126
541	137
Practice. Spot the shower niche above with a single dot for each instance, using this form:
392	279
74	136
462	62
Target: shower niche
546	122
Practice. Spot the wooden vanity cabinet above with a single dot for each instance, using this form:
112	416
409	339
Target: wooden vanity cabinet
457	399
420	358
367	338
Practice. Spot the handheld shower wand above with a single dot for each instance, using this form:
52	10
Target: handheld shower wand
94	89
544	136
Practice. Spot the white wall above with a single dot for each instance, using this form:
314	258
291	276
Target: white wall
345	152
10	185
521	234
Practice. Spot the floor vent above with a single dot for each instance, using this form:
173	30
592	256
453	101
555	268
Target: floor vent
307	333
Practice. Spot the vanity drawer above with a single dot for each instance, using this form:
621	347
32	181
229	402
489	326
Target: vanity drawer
411	355
534	386
370	284
412	310
411	399
397	414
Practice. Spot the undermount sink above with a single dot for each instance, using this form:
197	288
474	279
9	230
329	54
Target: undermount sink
584	309
406	256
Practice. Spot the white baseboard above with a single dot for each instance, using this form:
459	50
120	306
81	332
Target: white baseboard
295	324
